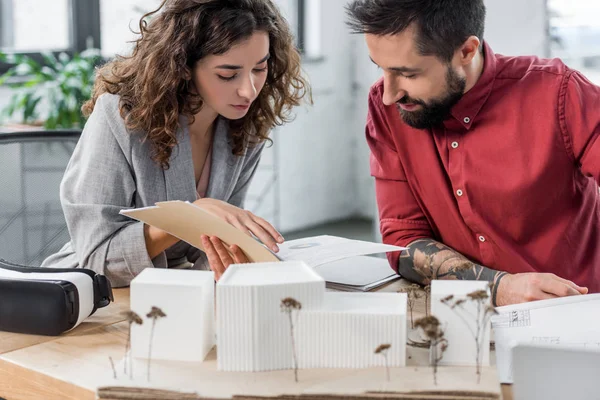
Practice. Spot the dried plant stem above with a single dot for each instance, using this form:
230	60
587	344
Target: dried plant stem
438	343
435	345
127	346
427	291
413	292
481	318
155	313
293	346
387	367
288	305
132	318
478	341
112	364
150	347
383	350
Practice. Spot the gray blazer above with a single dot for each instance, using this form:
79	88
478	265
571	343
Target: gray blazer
111	169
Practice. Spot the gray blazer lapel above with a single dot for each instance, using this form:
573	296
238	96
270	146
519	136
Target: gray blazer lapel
179	178
225	167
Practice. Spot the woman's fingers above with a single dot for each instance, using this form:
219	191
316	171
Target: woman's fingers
238	255
216	265
220	256
262	235
268	227
223	252
238	224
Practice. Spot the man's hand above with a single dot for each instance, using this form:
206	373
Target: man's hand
521	288
220	256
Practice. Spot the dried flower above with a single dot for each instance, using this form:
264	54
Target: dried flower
427	290
431	327
382	347
288	306
132	318
291	304
413	293
458	303
155	313
484	312
447	298
478	295
383	350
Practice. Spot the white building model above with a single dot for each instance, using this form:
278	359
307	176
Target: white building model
331	330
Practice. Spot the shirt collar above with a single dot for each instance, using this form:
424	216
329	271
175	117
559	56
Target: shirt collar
466	110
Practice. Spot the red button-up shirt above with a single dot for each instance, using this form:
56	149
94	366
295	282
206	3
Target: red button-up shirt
510	179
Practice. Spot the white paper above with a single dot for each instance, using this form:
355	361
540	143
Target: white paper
568	321
320	250
360	273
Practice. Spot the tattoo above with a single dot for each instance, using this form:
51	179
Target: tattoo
427	259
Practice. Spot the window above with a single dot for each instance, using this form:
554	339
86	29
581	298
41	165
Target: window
117	20
575	35
309	28
33	26
26	26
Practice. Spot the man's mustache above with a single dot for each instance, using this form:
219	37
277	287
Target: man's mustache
408	100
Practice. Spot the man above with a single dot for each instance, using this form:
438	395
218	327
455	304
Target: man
486	167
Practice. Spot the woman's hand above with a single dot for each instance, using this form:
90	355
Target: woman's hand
220	256
243	220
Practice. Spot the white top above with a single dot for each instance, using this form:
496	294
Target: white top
180	277
275	273
364	303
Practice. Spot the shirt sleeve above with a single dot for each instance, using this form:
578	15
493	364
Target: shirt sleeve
98	183
580	123
401	219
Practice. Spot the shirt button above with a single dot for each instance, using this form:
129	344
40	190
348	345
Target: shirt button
467	120
454	145
459	192
481	239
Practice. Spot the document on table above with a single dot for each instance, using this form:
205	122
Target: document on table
357	274
320	250
567	321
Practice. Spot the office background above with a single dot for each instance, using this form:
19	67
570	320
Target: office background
315	178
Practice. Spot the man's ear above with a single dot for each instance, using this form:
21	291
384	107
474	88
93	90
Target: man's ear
469	49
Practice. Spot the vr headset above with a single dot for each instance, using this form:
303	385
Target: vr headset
49	301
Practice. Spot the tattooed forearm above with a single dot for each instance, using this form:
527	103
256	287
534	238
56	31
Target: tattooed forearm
427	259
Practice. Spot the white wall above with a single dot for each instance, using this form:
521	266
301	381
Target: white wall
517	27
316	153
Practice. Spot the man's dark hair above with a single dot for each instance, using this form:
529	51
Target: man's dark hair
442	25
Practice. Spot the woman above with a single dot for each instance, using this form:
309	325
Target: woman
185	117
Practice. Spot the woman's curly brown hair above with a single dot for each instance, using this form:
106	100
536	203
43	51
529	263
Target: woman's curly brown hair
154	83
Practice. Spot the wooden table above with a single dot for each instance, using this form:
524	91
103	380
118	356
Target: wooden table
70	366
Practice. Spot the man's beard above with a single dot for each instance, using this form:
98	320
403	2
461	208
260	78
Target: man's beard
436	111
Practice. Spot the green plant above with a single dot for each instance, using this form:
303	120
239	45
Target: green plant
61	83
